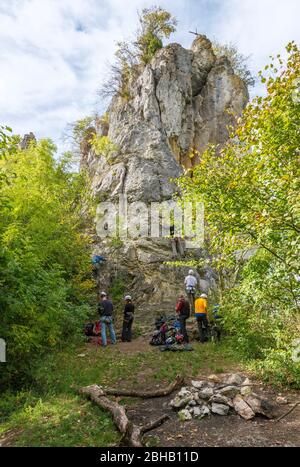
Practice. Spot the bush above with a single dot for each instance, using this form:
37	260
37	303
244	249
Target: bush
44	258
250	189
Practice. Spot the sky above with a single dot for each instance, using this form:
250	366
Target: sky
55	53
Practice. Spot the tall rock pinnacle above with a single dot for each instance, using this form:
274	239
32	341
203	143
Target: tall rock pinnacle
183	100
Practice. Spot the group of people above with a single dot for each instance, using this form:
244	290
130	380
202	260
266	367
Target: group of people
105	310
198	305
184	306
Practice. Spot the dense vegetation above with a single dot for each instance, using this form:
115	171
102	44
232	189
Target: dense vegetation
44	254
251	193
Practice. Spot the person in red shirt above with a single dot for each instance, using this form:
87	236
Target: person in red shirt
183	310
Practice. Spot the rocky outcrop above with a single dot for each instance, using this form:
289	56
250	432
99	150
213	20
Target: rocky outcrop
27	140
177	105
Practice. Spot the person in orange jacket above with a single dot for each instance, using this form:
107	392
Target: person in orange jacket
201	315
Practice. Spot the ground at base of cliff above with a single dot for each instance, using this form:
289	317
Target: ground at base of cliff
53	414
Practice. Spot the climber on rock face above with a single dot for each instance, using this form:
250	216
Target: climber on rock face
97	261
191	283
177	243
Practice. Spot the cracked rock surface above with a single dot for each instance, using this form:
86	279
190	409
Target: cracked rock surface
181	101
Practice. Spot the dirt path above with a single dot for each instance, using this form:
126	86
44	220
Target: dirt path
141	344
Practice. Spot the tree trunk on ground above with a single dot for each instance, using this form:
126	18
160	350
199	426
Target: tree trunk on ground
178	383
132	434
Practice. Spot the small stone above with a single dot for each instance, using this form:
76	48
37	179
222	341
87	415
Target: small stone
193	390
197	411
246	389
215	379
282	400
220	409
219	399
233	379
199	401
184	392
242	408
206	393
229	391
184	415
179	402
198	384
201	412
192	403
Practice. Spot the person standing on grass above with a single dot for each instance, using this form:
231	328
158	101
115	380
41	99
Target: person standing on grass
128	319
105	309
201	315
183	310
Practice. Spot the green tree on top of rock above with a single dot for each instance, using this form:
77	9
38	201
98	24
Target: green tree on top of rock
155	25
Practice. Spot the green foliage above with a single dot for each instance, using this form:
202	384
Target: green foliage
238	61
64	421
155	24
44	256
8	141
116	242
80	128
103	146
251	192
81	133
8	145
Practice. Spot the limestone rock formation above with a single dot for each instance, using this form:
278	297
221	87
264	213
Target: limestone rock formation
27	140
180	102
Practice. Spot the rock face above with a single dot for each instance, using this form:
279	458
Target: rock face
27	140
178	103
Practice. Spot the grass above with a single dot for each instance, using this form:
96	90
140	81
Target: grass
53	414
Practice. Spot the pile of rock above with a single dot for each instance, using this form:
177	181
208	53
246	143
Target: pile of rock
230	393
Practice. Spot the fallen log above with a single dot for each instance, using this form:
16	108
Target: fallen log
179	381
287	413
132	435
154	424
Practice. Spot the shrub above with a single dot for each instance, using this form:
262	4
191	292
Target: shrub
44	257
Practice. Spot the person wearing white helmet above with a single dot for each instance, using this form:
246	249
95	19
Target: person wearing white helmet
191	283
201	315
128	319
105	310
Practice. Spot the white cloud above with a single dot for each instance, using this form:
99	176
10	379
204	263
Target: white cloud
260	27
54	53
